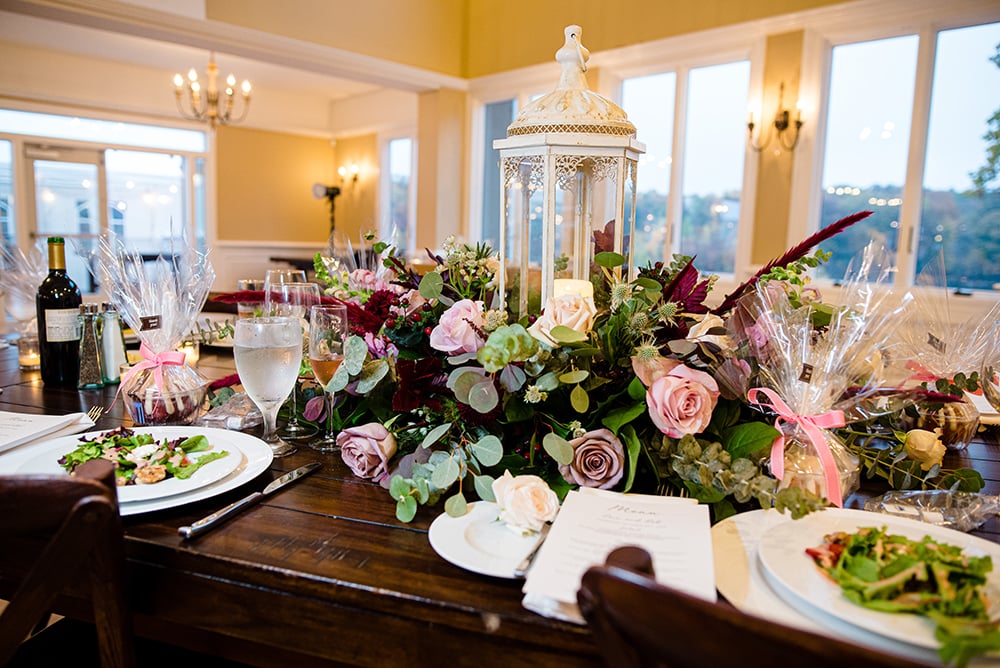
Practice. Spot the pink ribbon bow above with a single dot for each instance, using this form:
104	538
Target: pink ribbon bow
154	361
811	425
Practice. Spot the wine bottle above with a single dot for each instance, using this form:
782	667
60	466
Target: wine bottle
58	305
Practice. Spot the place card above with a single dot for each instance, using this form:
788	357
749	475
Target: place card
20	428
591	523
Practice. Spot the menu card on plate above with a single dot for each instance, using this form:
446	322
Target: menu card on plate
19	428
592	523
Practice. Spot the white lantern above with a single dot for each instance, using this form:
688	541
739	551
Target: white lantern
568	185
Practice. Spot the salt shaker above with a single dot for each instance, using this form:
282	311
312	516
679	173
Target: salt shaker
90	351
113	354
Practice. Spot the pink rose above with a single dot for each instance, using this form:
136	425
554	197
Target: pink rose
570	310
598	460
649	370
458	330
368	280
366	450
682	401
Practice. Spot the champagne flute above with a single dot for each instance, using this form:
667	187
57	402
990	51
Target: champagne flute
268	354
327	333
293	300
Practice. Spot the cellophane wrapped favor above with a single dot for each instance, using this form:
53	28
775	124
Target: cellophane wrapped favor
820	368
159	300
20	275
940	349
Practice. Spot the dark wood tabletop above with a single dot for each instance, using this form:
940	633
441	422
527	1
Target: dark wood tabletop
323	573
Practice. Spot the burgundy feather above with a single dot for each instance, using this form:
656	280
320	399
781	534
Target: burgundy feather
791	255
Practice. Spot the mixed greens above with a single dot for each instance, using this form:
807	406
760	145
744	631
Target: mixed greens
141	459
892	573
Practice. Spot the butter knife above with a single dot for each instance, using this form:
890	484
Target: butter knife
522	568
220	516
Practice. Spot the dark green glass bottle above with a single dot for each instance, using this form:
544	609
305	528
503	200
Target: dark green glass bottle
58	305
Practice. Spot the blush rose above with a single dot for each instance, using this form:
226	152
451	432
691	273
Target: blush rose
526	502
571	311
598	460
681	402
367	449
458	330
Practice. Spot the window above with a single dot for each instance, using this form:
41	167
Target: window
400	218
496	117
873	122
711	169
82	183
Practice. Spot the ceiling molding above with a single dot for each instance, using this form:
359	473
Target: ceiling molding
206	34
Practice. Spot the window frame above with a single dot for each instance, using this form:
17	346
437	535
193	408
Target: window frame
383	204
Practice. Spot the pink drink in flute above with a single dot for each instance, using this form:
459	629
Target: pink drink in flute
327	333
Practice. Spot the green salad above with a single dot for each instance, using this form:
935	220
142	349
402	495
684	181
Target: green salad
895	574
140	459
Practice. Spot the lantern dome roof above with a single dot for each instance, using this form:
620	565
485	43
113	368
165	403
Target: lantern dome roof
572	106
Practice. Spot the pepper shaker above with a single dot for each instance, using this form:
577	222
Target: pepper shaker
90	351
112	344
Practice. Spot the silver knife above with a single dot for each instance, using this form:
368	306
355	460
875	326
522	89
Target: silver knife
522	568
220	516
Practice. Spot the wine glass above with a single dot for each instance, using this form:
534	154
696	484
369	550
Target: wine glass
268	354
327	333
293	300
275	277
990	376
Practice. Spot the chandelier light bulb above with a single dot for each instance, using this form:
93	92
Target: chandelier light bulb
231	81
192	75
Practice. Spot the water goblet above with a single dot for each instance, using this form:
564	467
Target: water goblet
327	333
268	354
275	277
293	300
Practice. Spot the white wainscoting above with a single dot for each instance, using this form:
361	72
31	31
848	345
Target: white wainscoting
235	260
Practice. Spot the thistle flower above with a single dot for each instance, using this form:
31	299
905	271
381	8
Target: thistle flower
647	351
667	312
620	293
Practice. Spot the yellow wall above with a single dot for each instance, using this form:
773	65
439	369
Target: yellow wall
265	186
356	205
425	33
782	64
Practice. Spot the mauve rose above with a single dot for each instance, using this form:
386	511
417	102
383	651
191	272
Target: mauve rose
366	450
682	401
598	460
458	329
571	311
526	503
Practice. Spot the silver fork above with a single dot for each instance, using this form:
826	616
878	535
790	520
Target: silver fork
95	413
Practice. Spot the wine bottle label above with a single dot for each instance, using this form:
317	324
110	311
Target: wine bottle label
62	324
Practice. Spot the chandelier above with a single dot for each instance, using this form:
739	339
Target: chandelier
206	105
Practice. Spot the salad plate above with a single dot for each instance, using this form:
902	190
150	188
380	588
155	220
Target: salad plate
252	456
479	542
795	577
46	460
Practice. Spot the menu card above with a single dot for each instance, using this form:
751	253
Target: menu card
19	428
591	523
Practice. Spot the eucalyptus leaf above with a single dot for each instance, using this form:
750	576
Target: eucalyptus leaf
558	448
355	352
484	396
371	375
564	334
609	260
573	377
406	509
398	487
431	285
512	378
461	381
484	487
548	382
423	490
339	380
456	506
580	399
445	473
435	434
488	450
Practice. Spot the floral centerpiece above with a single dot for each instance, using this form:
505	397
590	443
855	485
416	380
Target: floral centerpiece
636	388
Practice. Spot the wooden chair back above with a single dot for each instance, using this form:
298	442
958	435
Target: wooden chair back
638	622
63	533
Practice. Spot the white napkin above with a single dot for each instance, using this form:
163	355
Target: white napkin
20	428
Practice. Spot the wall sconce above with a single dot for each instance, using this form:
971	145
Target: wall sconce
779	126
354	170
321	191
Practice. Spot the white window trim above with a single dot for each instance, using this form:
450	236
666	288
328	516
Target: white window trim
382	208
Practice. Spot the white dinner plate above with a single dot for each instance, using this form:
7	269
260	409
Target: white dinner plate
479	542
794	575
987	414
46	460
255	457
740	578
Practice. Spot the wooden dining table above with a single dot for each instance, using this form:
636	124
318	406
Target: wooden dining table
323	573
